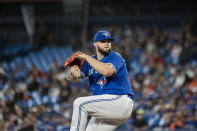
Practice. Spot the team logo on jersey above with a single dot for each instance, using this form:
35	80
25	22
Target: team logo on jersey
102	81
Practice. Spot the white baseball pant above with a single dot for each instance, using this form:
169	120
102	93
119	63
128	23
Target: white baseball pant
107	112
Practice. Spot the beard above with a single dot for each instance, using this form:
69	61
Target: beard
104	52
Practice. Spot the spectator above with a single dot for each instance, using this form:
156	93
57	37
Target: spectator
139	123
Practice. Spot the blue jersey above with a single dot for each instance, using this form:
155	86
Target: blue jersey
118	83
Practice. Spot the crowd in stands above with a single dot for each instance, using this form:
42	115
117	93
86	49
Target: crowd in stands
162	68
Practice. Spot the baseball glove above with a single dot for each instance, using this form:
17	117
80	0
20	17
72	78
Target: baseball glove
74	60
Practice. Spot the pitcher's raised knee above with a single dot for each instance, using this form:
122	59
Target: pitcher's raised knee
77	102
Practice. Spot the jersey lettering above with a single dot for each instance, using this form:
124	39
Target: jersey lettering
90	72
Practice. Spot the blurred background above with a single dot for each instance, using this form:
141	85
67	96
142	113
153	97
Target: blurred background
158	40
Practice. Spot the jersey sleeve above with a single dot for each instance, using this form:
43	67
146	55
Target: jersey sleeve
84	69
117	61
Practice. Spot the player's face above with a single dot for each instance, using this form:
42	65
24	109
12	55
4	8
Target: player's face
104	47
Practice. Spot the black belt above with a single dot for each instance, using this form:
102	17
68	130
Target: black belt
130	96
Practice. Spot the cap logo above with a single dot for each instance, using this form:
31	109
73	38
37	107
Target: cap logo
106	34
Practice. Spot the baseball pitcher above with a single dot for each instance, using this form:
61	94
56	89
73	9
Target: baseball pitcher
112	100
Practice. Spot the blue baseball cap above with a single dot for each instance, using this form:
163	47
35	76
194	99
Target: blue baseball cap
102	35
